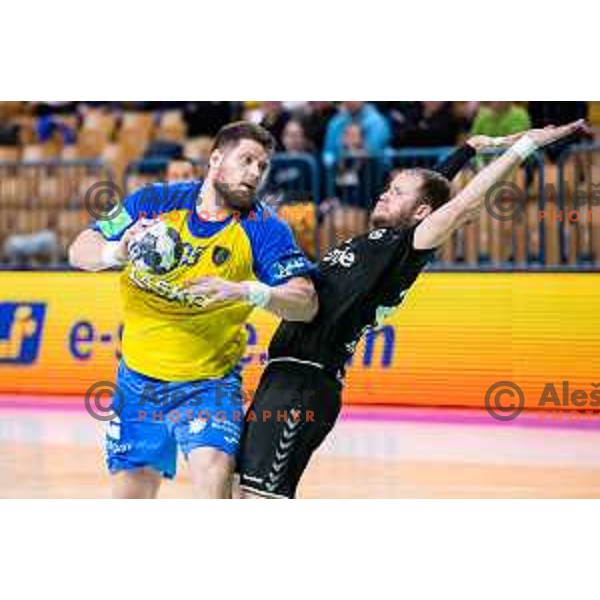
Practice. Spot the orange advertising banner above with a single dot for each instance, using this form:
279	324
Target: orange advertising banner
457	336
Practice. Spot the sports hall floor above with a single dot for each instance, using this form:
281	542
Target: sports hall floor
373	453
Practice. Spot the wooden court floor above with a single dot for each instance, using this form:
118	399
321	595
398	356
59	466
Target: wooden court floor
404	453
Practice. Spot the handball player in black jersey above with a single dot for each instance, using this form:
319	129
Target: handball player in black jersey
359	283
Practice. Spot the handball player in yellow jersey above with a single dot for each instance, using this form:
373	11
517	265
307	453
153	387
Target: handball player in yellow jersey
184	324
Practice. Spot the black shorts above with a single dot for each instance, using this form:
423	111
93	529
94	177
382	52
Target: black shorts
295	408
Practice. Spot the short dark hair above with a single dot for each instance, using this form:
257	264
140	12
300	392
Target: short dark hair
181	157
435	188
234	133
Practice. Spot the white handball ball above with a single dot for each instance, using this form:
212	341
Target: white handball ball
157	249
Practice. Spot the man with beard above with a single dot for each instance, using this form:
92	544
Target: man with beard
179	381
358	285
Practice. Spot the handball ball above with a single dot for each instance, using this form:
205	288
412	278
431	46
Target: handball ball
157	249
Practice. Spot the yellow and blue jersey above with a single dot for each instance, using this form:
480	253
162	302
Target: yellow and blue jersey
171	335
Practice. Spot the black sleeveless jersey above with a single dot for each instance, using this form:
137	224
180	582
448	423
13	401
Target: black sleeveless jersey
358	283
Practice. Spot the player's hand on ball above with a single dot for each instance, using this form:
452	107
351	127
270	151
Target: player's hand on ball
129	236
217	289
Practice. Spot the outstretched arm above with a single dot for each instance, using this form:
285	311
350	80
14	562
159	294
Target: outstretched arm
460	158
435	229
457	161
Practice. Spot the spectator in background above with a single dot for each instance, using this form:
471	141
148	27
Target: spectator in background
289	188
426	124
49	109
158	153
293	138
465	113
289	181
346	215
374	128
205	119
9	133
274	118
53	129
559	113
11	114
353	141
138	106
180	169
556	113
498	119
24	248
352	166
33	249
316	118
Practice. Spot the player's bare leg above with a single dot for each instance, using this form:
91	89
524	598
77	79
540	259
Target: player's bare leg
236	490
142	484
212	473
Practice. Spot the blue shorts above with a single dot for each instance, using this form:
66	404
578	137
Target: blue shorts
157	418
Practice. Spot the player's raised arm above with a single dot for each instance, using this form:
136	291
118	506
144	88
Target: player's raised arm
452	165
436	228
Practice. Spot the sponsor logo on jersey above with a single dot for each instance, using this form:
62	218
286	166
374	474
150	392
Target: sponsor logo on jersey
343	257
377	234
221	256
170	292
197	426
191	255
289	268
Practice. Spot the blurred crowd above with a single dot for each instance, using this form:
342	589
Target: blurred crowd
348	141
322	127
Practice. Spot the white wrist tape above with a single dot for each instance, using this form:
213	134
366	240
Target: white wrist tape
259	294
524	148
109	255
